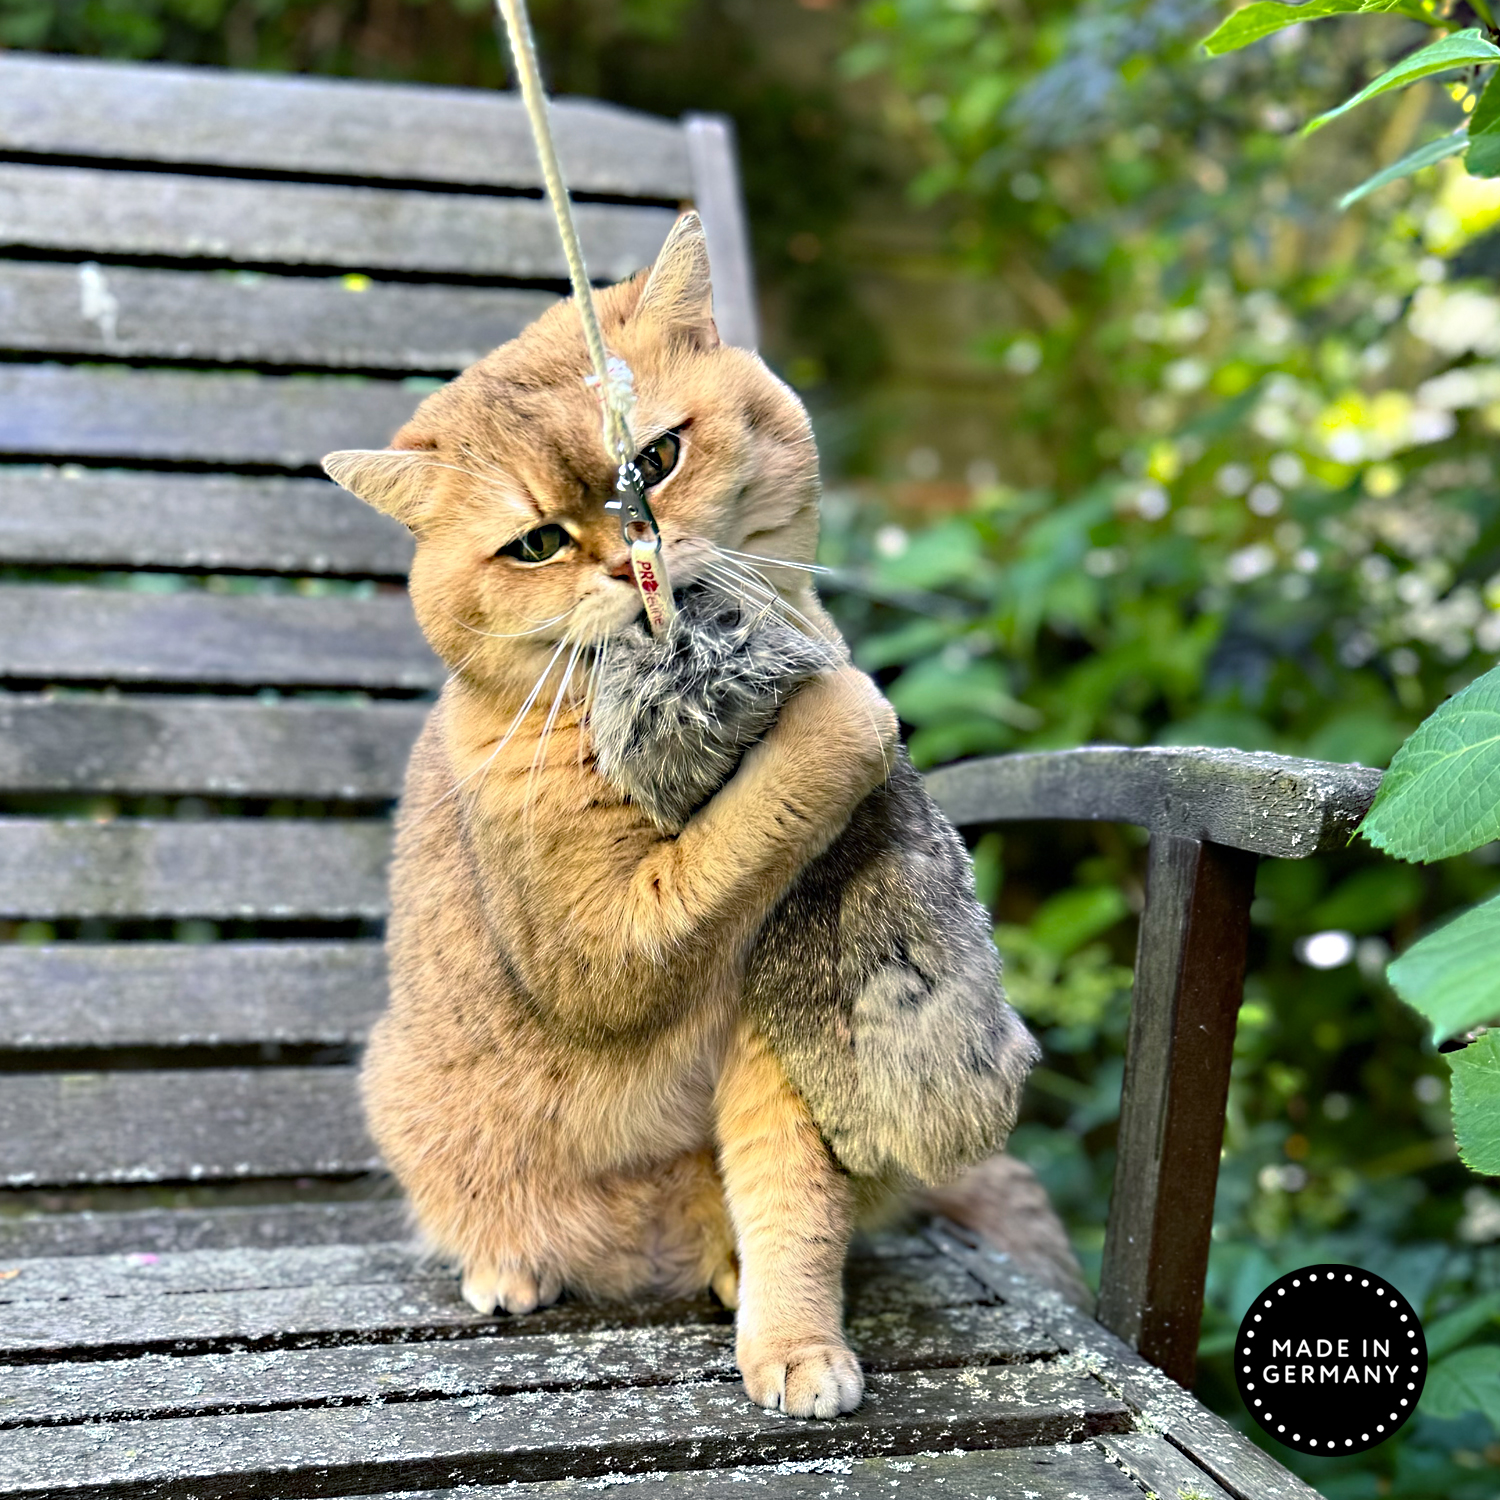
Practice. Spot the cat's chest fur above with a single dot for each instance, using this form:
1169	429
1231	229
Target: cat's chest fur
491	963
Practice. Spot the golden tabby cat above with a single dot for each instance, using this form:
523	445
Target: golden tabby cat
563	1082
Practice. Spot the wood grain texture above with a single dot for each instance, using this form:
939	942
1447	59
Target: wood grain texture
1228	1457
1159	1468
118	312
1268	804
159	1385
286	422
721	205
1189	985
63	633
208	523
337	127
1077	1472
197	1125
151	995
337	1296
101	214
287	869
226	747
531	1436
161	1231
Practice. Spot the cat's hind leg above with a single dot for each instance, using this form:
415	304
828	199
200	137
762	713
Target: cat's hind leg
793	1212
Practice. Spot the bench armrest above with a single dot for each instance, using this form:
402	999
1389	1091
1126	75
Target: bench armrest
1211	814
1265	804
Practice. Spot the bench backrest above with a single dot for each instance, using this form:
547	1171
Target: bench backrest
209	672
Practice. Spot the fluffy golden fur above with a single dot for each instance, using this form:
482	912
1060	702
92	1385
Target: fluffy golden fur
563	1082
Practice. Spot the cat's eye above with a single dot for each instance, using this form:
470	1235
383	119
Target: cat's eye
656	460
537	546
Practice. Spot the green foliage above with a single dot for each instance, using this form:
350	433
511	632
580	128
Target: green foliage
1466	1381
1460	50
1452	976
1476	1102
1252	23
1441	795
1453	144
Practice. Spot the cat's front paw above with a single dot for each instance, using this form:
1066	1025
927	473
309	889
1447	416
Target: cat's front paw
810	1380
510	1289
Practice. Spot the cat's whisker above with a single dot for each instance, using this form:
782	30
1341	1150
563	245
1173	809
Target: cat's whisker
506	738
515	635
539	755
754	577
779	562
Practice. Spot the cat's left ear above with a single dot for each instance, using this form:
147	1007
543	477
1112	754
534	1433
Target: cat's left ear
679	294
394	480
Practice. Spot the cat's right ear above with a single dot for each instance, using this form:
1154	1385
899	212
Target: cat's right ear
394	480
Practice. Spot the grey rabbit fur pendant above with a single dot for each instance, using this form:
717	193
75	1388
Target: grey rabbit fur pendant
875	979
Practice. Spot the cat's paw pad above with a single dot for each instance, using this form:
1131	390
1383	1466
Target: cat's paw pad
510	1289
815	1380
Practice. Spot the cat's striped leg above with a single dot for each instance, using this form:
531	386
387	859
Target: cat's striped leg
793	1212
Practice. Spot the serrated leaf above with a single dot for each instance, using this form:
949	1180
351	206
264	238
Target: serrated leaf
1452	976
1476	1103
1251	23
1457	51
1424	156
1455	1328
1464	1382
1441	795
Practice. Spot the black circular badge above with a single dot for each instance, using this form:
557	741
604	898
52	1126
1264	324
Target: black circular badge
1330	1360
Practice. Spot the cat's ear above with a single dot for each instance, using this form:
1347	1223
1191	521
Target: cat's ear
679	295
394	480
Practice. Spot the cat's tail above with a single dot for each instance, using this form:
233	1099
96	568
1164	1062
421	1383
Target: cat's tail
1001	1201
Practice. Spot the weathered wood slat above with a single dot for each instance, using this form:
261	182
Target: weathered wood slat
331	126
1158	1467
286	422
88	995
63	633
1235	1463
339	1451
881	1285
156	1385
196	1125
199	522
1267	804
1079	1471
246	318
336	1312
95	213
225	747
163	1231
266	868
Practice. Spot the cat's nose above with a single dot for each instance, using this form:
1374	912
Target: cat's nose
619	565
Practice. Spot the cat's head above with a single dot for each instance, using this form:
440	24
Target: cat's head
502	475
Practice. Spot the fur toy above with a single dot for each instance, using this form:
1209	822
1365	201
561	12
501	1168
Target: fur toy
875	978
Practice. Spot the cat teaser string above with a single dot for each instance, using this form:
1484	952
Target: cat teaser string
611	380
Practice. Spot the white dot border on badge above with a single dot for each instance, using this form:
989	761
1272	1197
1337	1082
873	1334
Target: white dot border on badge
1381	1293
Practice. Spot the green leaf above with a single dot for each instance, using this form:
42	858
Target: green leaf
1068	921
1424	156
1441	795
1476	1103
1253	22
1464	1382
1455	1328
1484	133
1456	51
1451	976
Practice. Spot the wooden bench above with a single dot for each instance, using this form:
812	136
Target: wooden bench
206	281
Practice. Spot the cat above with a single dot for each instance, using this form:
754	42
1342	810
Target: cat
564	1082
875	978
